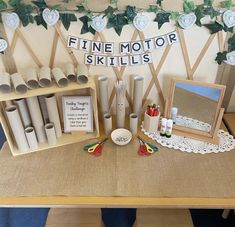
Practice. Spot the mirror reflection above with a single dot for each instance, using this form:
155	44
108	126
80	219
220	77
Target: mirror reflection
194	103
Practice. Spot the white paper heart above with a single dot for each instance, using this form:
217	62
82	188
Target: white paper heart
11	20
229	18
50	16
99	23
230	58
3	45
141	22
186	21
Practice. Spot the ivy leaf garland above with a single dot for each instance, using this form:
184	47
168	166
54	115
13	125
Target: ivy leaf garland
227	4
162	18
117	21
67	18
3	5
130	13
41	4
86	20
188	6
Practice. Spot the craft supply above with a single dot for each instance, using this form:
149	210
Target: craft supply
138	94
51	134
17	128
53	113
120	103
32	78
151	119
103	91
133	119
31	138
45	76
42	103
82	74
19	83
60	78
70	72
174	111
95	148
36	116
163	127
5	83
24	113
153	110
107	124
169	126
145	148
121	136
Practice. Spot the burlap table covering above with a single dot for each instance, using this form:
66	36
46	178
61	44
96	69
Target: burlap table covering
69	171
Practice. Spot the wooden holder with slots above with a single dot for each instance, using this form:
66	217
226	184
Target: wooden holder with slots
67	138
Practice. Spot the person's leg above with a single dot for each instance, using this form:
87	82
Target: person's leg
118	217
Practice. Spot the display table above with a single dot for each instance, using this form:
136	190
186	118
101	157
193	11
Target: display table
70	177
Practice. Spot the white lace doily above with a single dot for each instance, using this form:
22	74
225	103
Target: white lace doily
226	142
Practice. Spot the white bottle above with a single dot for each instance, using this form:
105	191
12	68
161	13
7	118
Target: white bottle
169	126
174	111
163	127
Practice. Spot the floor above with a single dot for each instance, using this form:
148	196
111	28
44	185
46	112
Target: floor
145	218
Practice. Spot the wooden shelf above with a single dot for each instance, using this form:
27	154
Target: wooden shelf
46	90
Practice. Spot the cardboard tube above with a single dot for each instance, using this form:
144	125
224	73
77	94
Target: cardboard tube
17	128
133	123
103	91
51	135
60	78
45	76
138	94
31	138
53	113
70	72
36	116
43	107
82	74
108	124
120	103
32	78
19	83
5	83
24	113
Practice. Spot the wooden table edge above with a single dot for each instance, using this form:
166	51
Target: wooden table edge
101	202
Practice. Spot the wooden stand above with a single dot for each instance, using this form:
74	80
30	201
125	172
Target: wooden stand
66	138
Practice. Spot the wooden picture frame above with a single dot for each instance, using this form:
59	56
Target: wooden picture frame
210	136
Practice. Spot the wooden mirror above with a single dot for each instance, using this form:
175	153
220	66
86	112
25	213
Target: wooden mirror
199	109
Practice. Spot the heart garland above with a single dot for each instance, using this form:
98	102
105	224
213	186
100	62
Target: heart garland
186	21
50	16
12	20
3	45
229	18
99	23
141	22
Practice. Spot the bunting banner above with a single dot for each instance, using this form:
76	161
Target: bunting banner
130	53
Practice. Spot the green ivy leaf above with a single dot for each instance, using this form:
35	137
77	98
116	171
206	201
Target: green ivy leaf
211	12
175	16
221	56
3	5
41	4
208	2
227	29
80	8
113	1
67	18
40	21
86	28
159	2
109	11
117	21
214	28
130	13
227	4
14	3
199	12
153	9
162	18
231	43
188	6
24	12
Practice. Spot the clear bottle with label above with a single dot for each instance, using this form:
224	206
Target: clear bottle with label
163	127
169	126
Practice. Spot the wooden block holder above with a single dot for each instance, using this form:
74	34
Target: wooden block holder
151	123
67	138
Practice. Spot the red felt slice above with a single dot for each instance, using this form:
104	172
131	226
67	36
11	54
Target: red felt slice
98	151
143	151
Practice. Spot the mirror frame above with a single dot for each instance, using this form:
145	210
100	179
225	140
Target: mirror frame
211	136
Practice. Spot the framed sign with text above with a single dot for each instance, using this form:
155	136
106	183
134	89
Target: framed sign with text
78	113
